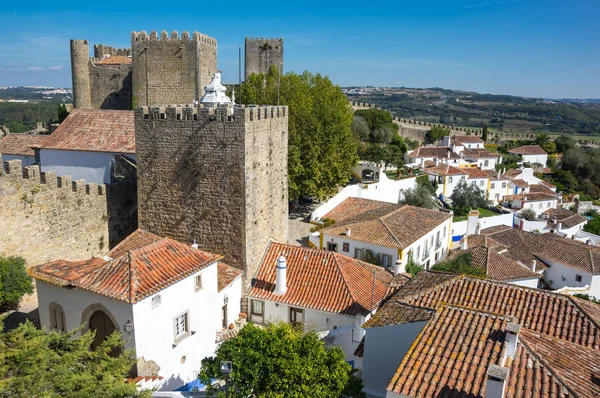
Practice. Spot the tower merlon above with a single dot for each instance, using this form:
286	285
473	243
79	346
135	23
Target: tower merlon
164	36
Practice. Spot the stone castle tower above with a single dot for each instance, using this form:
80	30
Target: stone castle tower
261	53
215	174
155	71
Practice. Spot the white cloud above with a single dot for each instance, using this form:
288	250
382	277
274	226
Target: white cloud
55	67
34	68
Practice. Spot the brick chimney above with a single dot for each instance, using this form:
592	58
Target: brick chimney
496	381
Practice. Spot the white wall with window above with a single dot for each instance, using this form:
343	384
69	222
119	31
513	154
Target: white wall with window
564	276
355	249
430	248
497	190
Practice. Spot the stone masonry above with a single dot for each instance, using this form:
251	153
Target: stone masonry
171	70
215	175
45	218
261	53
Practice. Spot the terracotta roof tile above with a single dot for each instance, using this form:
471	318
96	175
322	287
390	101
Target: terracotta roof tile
520	183
479	153
21	144
227	274
96	131
440	152
512	173
530	197
475	172
322	280
133	276
397	229
538	188
528	150
353	209
467	139
567	218
498	267
138	238
398	313
445	170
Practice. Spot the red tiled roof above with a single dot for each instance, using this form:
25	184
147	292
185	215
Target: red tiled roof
467	139
397	229
512	173
138	238
479	153
476	173
133	276
498	267
528	150
322	280
358	208
520	183
21	144
114	60
95	130
445	169
530	197
441	152
227	274
538	188
566	217
545	312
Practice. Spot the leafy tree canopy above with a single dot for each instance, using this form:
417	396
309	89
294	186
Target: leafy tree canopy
376	118
420	196
466	197
528	214
484	133
360	128
279	361
34	363
322	148
14	281
436	134
462	264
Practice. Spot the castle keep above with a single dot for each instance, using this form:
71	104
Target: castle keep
261	53
216	175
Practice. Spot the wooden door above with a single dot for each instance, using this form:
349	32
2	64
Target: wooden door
104	327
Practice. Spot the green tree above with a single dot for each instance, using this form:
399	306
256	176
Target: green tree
375	153
565	180
62	112
322	148
550	147
462	264
528	214
14	281
542	140
383	134
419	197
376	118
34	363
466	197
280	361
564	143
436	134
394	153
484	133
360	128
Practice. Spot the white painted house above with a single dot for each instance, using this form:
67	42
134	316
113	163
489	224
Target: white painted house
447	178
320	290
95	145
21	147
390	233
531	154
538	202
171	301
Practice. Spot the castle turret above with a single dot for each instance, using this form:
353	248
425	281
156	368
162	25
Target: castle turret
261	53
81	74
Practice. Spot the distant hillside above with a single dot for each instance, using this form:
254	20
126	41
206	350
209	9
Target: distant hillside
36	94
502	112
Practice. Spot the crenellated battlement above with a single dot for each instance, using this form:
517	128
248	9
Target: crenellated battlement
30	177
174	36
264	39
101	50
222	113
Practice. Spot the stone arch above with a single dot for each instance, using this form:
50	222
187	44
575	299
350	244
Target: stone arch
89	311
57	318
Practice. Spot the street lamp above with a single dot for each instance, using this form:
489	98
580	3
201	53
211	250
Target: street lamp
226	368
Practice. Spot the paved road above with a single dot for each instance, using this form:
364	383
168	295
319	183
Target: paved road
299	226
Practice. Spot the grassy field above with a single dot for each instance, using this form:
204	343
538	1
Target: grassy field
482	213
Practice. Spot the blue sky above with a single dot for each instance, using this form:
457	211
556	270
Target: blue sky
542	48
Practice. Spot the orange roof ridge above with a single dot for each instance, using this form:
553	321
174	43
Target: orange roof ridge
131	277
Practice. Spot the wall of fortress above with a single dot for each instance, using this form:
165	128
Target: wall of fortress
223	174
46	218
260	53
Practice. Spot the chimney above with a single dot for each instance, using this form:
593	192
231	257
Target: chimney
533	265
463	243
478	229
589	241
281	277
398	269
348	231
512	337
559	227
449	154
496	381
437	161
498	174
472	222
194	245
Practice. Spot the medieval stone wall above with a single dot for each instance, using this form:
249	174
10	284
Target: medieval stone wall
45	218
261	53
80	54
100	51
219	178
171	70
110	86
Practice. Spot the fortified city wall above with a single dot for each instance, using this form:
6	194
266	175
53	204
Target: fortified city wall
260	53
46	218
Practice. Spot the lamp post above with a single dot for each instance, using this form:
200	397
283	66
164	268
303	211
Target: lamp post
226	368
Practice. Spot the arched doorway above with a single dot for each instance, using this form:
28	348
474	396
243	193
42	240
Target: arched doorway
104	327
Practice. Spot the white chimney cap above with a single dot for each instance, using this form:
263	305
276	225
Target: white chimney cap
281	261
194	245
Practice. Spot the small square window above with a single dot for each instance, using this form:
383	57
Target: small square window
386	260
481	183
450	180
198	282
578	278
181	327
258	307
503	185
359	254
296	316
346	247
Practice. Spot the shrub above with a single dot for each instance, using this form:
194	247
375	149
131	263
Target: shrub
326	223
462	264
14	281
528	214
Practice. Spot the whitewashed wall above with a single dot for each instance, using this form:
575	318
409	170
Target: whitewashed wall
543	159
528	282
233	292
94	167
25	160
460	228
563	276
355	244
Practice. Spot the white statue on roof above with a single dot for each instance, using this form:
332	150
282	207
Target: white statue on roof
214	93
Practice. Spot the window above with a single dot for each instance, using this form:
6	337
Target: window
548	204
486	162
57	318
332	247
181	327
296	315
578	278
450	180
441	179
503	185
198	282
386	260
462	178
258	307
418	252
540	205
359	254
481	183
346	247
492	186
